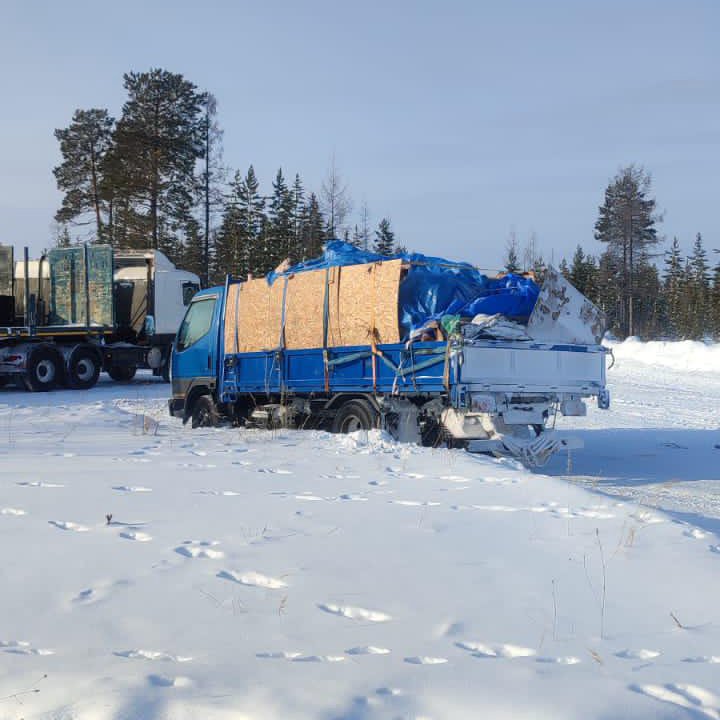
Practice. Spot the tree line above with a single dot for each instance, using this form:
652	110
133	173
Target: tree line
643	290
155	178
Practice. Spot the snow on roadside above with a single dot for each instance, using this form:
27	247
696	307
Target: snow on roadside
303	575
684	355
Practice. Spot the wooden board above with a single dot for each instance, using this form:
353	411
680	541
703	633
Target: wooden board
304	303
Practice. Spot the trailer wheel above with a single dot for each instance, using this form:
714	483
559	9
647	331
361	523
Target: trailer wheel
353	415
44	369
122	373
205	413
83	368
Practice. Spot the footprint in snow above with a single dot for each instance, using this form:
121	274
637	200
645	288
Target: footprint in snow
200	549
136	535
152	655
167	681
425	660
284	655
132	488
253	579
415	503
691	697
710	659
495	650
368	650
562	660
641	654
319	658
21	647
695	533
41	484
12	511
355	613
715	549
275	471
67	525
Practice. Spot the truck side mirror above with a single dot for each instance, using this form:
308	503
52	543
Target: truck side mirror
149	326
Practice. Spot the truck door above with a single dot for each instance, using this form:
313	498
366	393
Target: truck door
195	352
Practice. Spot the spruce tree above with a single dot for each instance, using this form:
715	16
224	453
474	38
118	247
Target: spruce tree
312	232
281	228
699	285
297	203
715	303
671	291
84	146
384	238
626	222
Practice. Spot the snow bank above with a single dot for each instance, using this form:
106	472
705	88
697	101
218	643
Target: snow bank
683	355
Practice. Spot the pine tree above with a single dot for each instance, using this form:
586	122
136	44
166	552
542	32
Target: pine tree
157	142
84	145
211	180
626	222
384	238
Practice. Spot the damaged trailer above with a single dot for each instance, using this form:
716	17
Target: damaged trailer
430	350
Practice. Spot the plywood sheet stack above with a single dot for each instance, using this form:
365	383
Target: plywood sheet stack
362	302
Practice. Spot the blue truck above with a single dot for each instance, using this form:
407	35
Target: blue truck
493	391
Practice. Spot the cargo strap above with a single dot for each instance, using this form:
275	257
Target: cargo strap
326	322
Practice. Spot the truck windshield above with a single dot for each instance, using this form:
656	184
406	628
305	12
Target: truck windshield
196	323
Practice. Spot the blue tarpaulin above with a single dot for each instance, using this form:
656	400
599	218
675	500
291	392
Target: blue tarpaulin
434	287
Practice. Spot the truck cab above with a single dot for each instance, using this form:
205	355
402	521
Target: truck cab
195	353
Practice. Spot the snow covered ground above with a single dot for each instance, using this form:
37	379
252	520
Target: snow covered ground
152	571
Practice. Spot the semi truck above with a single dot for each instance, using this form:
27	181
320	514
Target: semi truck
291	353
78	311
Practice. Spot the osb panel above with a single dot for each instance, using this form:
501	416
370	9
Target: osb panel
367	298
253	316
274	321
387	291
232	310
304	310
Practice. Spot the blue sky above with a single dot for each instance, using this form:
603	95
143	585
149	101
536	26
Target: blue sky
461	121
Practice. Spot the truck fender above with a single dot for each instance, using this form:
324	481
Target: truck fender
194	392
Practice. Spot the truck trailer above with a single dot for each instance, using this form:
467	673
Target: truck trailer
352	342
75	312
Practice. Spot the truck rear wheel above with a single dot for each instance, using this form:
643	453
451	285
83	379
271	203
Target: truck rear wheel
354	415
205	413
44	369
83	368
122	373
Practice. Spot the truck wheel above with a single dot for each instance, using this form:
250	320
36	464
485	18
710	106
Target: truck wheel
122	373
44	369
205	413
84	369
353	415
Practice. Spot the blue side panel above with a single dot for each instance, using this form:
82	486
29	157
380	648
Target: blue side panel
349	369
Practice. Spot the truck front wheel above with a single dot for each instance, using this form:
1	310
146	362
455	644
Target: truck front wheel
205	413
44	369
354	415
